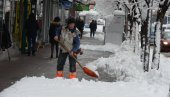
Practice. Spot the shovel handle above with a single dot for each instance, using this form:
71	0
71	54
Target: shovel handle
70	55
85	69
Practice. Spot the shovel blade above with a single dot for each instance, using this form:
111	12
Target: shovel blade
90	72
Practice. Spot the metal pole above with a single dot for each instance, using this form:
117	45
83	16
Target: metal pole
1	21
72	10
44	19
24	27
58	8
62	15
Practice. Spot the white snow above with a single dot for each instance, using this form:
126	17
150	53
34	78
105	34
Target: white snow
124	66
44	87
107	47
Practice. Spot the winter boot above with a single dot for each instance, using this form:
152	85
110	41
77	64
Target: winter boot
59	74
72	75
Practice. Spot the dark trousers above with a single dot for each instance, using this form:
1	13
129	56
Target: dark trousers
54	45
31	44
81	33
92	33
61	62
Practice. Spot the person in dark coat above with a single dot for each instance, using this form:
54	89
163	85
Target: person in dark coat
55	27
93	27
80	26
32	27
6	39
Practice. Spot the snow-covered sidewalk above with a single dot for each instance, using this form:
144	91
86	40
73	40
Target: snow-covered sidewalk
43	87
123	66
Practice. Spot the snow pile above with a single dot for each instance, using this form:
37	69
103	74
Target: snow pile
43	87
123	66
165	69
108	47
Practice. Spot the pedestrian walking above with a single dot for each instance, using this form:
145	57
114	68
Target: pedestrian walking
80	26
69	36
32	28
93	27
6	39
55	27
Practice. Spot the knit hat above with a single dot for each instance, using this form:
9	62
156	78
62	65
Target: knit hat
57	19
71	20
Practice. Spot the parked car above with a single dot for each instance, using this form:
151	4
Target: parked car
165	41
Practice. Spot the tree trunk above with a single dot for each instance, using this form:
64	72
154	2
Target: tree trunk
163	7
136	38
145	46
156	51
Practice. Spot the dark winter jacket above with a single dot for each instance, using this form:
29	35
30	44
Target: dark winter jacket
6	39
80	24
32	26
54	28
93	26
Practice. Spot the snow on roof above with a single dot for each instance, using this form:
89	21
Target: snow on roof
119	12
91	12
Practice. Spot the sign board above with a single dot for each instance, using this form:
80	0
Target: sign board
114	29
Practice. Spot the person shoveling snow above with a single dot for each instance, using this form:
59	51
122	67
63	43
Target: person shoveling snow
70	44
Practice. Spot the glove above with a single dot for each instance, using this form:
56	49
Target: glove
79	51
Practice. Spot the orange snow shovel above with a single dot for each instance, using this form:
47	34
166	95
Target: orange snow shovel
85	69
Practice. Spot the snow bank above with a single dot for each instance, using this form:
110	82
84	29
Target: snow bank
44	87
124	65
165	69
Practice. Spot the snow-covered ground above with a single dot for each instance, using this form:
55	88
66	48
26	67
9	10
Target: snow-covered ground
43	87
108	47
124	66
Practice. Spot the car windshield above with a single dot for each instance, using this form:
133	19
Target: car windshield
167	35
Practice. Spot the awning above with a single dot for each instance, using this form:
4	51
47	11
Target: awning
66	4
81	7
